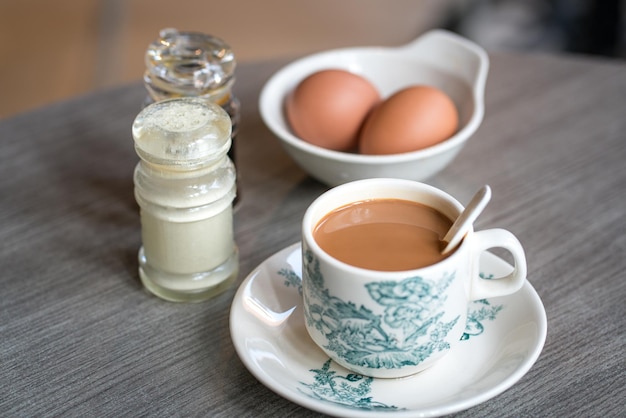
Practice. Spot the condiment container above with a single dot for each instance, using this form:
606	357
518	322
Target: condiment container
185	184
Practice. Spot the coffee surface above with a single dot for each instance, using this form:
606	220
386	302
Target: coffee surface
383	234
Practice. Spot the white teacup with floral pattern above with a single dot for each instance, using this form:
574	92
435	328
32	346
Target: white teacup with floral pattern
392	324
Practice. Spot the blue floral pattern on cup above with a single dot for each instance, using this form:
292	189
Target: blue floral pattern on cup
413	311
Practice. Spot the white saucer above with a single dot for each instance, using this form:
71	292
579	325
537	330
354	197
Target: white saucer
267	327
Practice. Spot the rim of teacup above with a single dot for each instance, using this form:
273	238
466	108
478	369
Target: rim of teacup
378	188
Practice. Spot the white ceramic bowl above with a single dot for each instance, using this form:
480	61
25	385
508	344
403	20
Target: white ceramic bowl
438	58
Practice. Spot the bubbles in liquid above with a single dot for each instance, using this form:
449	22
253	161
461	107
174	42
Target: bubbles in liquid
184	119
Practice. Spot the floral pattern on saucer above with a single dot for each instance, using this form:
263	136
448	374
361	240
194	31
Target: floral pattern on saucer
351	390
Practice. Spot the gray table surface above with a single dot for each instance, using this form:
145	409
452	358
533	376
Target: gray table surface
80	337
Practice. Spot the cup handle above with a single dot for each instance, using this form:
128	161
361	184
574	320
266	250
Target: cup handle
499	286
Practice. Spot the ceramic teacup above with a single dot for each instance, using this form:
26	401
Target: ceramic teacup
391	324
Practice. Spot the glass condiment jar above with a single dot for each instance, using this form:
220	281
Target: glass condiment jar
185	184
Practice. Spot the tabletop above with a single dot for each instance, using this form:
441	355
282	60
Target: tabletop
80	337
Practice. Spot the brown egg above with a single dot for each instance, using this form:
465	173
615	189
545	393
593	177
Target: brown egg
411	119
328	108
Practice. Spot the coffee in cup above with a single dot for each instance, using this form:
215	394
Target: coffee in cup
384	234
374	314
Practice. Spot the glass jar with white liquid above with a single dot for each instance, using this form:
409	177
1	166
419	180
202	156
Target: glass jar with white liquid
185	186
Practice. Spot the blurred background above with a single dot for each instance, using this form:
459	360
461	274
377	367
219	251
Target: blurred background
54	50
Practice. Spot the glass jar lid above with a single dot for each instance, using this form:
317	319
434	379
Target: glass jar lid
188	64
183	133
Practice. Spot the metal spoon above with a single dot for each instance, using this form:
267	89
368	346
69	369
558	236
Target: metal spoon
460	227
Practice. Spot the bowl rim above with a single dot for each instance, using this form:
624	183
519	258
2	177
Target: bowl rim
267	99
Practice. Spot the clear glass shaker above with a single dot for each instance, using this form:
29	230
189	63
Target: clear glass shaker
185	184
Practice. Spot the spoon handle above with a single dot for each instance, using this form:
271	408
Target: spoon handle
462	224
